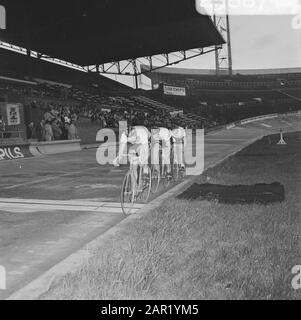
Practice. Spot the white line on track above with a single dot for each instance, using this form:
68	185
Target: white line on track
65	202
266	125
35	205
47	179
222	139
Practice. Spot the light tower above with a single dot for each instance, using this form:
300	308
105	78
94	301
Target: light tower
223	56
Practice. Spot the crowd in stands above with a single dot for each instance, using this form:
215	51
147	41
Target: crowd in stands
58	123
60	108
240	82
111	118
2	123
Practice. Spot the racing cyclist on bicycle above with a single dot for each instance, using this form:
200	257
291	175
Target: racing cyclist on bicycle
139	138
179	142
161	135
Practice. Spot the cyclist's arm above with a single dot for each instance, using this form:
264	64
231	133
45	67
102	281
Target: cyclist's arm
132	138
184	141
123	138
149	134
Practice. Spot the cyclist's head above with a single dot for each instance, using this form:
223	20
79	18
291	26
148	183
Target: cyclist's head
130	128
174	126
155	129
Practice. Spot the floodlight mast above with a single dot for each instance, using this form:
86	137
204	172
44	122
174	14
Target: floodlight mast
223	55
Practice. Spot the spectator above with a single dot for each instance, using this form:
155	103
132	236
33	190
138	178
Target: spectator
2	123
48	116
57	131
48	131
40	130
72	132
31	131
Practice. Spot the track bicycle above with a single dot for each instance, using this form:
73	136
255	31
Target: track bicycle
136	186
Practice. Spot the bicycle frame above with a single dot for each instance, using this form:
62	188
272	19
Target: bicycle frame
136	176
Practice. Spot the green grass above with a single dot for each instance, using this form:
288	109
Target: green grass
206	250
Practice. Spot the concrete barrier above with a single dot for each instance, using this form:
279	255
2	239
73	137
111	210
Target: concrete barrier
259	118
54	147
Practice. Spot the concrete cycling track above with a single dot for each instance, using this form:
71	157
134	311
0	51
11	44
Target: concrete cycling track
53	205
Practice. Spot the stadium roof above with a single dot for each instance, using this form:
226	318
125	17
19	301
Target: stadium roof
88	32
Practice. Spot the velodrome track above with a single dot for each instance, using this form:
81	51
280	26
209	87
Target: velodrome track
51	206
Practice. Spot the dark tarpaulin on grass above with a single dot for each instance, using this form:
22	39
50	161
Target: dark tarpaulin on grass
241	194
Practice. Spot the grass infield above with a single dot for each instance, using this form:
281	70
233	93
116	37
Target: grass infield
203	249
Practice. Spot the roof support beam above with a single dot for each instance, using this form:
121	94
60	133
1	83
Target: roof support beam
130	67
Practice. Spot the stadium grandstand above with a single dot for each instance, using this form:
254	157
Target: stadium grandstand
225	98
29	77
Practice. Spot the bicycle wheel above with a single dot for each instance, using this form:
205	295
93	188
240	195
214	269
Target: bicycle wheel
127	198
182	173
145	181
175	172
155	180
166	178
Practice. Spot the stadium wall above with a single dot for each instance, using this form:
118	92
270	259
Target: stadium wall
14	150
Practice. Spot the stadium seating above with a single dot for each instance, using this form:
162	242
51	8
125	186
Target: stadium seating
241	82
101	102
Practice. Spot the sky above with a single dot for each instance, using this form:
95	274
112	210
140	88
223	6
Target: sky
258	42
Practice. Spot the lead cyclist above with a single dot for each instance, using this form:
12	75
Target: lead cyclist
139	138
179	142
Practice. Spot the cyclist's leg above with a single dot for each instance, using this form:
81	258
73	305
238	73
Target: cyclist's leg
155	156
166	155
143	152
134	163
176	153
179	154
121	154
182	160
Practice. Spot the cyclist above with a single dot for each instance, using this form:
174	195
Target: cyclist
179	141
162	135
139	138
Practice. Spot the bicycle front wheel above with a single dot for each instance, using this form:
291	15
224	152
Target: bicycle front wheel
127	197
183	173
155	180
166	178
146	185
175	172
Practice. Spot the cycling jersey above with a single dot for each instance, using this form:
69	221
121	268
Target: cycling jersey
162	134
178	134
139	135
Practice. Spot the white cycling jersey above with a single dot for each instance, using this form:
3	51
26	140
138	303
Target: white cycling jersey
139	135
178	134
162	134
